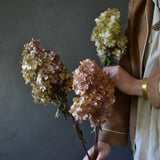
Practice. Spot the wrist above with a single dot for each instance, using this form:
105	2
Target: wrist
137	88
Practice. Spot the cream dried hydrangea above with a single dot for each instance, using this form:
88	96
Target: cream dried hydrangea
46	74
95	91
107	35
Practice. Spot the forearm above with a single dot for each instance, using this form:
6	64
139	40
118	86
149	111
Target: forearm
124	81
147	87
136	88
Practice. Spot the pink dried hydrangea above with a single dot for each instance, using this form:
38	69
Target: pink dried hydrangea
44	71
96	93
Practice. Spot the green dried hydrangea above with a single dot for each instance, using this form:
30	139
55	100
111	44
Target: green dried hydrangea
107	35
46	74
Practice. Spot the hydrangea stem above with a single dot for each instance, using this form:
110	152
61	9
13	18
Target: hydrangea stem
66	109
96	144
78	134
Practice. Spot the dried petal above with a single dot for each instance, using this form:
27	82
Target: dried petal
96	93
44	71
107	36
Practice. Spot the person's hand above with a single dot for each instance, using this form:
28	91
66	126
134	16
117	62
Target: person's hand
123	81
104	150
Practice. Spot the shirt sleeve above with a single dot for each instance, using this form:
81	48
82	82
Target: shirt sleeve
115	131
153	87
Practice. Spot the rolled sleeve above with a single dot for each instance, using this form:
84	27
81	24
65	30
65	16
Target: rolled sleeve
115	131
153	87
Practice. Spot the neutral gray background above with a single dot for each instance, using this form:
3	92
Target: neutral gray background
29	131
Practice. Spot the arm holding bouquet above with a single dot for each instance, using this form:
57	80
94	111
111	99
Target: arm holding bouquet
96	89
130	83
123	81
111	49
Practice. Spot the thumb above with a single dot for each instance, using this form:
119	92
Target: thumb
100	157
90	153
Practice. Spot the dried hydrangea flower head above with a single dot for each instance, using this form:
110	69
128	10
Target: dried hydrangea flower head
96	93
107	34
44	71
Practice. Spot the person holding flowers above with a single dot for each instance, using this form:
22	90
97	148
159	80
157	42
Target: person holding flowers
137	83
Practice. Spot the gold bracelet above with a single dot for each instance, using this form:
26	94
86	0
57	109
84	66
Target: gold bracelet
144	87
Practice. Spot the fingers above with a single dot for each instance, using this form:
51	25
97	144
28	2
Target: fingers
100	157
106	70
110	70
104	151
110	73
85	158
90	152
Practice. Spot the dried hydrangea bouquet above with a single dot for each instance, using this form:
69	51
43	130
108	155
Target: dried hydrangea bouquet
96	96
51	82
94	89
108	37
49	79
90	82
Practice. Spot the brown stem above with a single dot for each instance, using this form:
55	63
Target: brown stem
74	124
96	144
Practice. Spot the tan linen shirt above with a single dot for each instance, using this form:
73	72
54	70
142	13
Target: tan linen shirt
148	118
